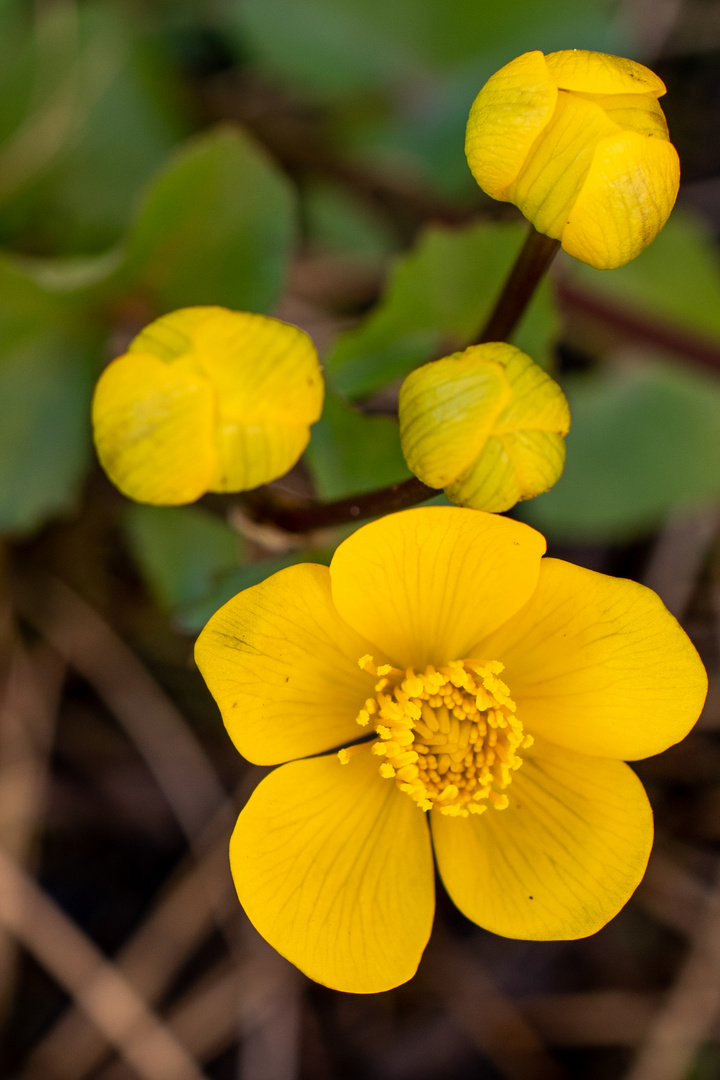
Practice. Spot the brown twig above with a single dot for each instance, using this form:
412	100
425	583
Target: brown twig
303	519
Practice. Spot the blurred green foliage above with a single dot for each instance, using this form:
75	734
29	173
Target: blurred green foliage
217	225
350	453
437	298
88	110
129	186
676	279
645	440
400	77
182	551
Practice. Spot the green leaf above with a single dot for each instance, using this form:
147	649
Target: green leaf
676	278
86	116
437	298
181	551
71	276
48	360
25	305
46	381
350	453
193	616
645	439
338	223
217	226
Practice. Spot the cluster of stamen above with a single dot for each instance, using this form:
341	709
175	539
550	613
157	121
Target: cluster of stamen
449	736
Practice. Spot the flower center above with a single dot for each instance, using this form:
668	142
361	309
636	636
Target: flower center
449	736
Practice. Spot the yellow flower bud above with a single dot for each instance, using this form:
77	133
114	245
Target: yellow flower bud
206	399
486	424
578	142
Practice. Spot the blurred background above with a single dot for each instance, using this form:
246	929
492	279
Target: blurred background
304	158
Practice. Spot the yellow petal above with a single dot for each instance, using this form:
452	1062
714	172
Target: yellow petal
633	112
508	114
447	409
283	667
525	453
625	201
515	466
252	454
264	370
267	382
153	429
561	860
424	585
555	169
171	336
601	73
537	402
333	867
487	425
599	665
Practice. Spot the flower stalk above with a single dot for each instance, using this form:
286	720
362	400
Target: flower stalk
533	261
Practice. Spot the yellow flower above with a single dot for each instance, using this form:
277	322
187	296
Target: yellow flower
501	691
487	425
578	142
206	399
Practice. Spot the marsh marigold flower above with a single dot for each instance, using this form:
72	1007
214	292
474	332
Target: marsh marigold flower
497	693
578	142
206	399
486	424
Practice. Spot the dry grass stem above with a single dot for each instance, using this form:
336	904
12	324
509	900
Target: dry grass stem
112	1004
171	932
28	713
593	1018
671	895
691	1008
175	757
491	1020
679	553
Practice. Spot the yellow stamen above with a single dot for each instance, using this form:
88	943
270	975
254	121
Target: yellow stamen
449	736
348	752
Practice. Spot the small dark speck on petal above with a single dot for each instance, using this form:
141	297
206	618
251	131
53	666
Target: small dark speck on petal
287	678
531	897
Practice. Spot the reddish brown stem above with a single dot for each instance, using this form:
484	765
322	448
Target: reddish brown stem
534	259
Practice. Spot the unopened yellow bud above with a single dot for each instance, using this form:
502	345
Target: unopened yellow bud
487	425
206	399
578	142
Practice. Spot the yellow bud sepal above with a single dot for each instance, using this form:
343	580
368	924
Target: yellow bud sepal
487	425
578	142
206	399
